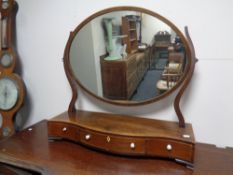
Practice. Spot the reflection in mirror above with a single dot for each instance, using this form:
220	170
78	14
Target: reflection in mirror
127	56
1	119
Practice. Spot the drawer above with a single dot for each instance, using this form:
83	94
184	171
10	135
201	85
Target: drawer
94	139
63	130
113	144
127	145
170	149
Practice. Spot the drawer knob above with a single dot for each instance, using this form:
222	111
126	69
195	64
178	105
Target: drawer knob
169	147
88	137
64	129
132	145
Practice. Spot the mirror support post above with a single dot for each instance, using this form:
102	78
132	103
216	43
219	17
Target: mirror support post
72	82
193	61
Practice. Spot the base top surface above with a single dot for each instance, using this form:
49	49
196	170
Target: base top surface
127	125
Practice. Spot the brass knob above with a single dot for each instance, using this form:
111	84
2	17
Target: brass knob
132	145
64	129
169	147
88	137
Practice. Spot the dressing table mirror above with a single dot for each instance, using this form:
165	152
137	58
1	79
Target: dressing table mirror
128	56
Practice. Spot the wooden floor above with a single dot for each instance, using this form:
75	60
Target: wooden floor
31	149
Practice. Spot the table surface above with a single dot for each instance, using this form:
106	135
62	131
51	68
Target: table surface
32	150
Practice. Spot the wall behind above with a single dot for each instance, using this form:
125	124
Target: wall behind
42	31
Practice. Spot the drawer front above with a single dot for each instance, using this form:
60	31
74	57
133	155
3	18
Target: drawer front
113	144
127	145
94	139
170	149
63	130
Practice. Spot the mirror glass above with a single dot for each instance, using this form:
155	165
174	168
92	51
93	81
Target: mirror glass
1	119
127	56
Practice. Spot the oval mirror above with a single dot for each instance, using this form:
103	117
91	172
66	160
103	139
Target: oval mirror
128	56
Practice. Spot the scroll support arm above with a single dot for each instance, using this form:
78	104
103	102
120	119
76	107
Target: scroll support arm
73	85
186	82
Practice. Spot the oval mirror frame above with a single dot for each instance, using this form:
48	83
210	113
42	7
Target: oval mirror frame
74	81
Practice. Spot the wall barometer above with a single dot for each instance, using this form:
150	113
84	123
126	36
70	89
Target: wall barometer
11	85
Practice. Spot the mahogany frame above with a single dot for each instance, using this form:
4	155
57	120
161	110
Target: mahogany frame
182	83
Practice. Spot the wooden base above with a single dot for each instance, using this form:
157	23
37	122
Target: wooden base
125	135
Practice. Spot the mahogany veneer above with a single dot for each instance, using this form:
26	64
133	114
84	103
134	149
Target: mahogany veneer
31	150
125	135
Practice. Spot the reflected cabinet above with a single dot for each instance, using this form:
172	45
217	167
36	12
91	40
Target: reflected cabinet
120	78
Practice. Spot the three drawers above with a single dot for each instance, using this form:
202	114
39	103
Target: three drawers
124	145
